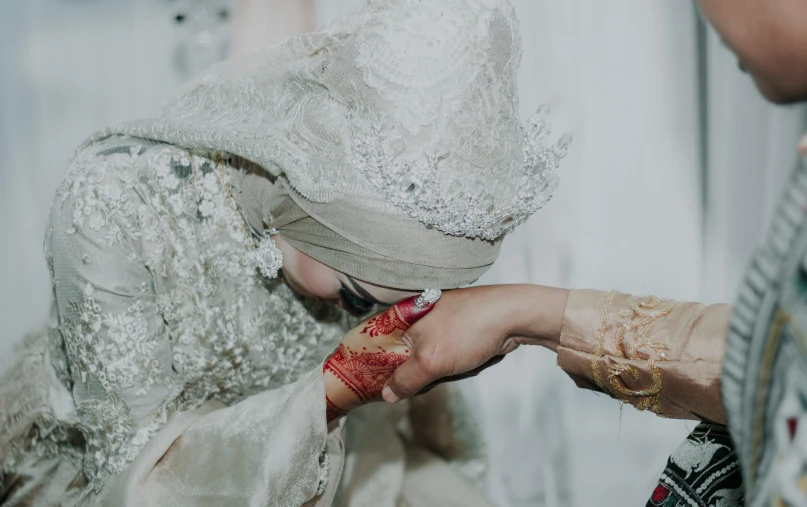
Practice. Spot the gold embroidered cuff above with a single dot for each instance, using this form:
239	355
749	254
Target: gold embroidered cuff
655	354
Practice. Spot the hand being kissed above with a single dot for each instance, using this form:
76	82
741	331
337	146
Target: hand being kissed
369	353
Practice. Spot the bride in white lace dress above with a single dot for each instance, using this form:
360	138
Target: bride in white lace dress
371	160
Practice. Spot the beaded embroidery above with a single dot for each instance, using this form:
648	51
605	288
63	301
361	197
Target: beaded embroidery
642	314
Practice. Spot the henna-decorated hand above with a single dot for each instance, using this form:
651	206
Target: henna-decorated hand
356	373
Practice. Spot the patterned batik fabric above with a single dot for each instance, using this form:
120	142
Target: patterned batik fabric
703	472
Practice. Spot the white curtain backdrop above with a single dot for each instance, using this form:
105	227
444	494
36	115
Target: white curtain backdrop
667	189
623	75
261	23
750	150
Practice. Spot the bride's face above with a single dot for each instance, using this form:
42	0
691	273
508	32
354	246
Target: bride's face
311	278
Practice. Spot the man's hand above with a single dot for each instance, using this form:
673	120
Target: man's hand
471	329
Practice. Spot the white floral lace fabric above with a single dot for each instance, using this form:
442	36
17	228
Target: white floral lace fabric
159	307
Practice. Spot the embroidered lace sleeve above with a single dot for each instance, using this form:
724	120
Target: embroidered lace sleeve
108	242
117	344
655	354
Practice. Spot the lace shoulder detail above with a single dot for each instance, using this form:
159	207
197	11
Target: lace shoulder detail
116	344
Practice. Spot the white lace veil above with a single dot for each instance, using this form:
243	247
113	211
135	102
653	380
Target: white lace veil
407	108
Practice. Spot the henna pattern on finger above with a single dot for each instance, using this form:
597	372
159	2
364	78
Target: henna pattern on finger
401	316
385	323
364	373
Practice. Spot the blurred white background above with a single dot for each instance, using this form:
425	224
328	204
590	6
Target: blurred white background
674	171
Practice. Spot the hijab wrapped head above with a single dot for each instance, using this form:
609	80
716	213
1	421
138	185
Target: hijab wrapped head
391	138
368	240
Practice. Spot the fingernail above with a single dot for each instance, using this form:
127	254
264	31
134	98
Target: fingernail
389	396
410	313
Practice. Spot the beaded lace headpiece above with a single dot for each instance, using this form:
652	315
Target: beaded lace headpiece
409	102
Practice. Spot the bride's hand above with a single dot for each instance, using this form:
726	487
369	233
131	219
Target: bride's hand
369	353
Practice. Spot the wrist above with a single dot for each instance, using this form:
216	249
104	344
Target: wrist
339	400
538	314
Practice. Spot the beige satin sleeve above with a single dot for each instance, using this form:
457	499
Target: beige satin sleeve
655	354
274	448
